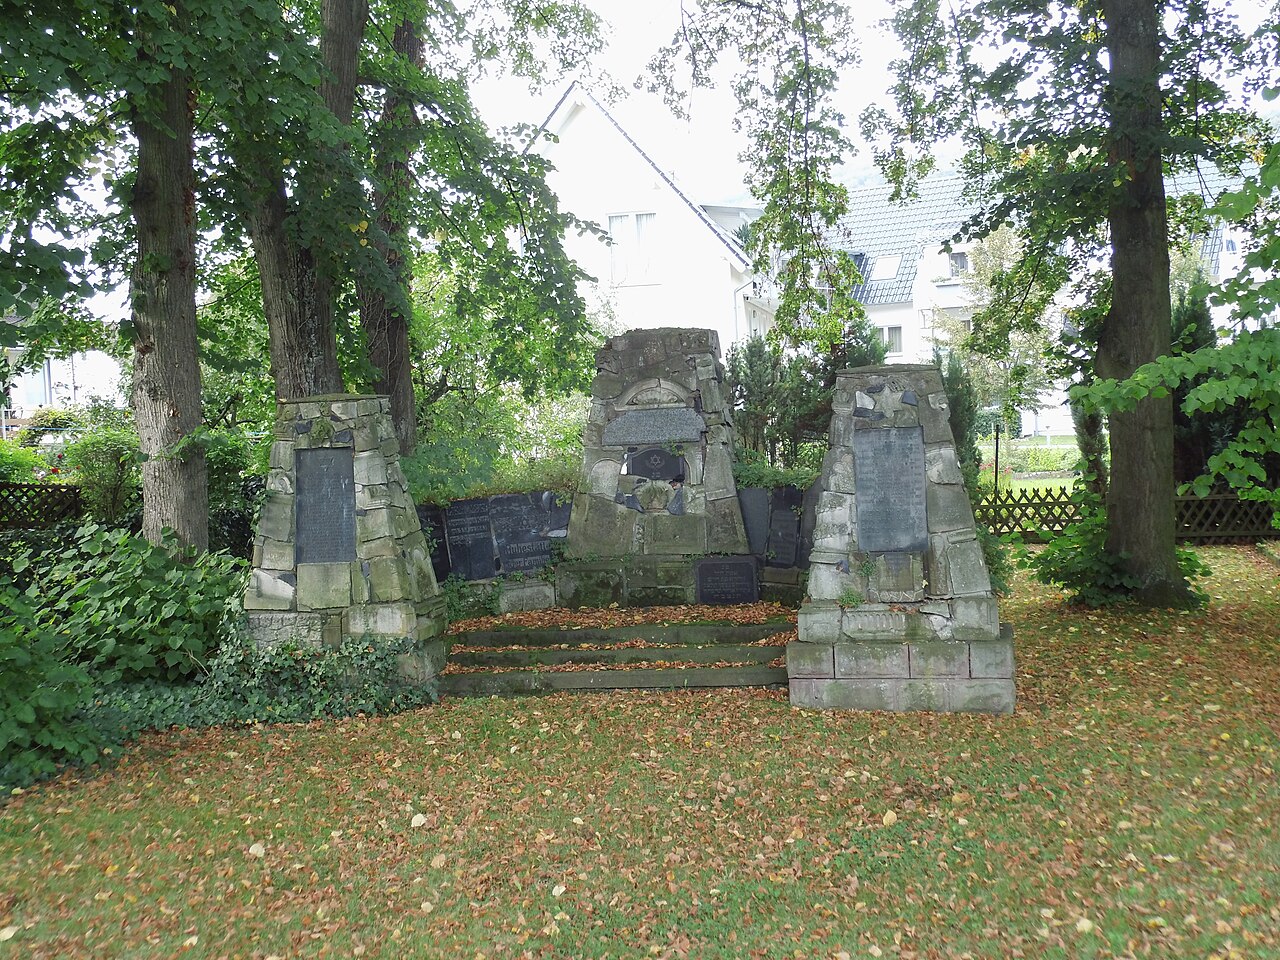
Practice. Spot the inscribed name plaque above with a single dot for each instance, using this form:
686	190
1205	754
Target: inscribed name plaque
726	580
660	425
655	463
325	500
521	531
889	475
470	538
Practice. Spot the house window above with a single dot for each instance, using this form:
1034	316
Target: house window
891	337
886	268
631	249
959	264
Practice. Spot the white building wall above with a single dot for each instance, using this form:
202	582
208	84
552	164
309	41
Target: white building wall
69	382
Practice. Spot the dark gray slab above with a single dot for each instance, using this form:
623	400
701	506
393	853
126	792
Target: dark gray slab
431	518
726	580
470	539
655	463
660	426
784	527
516	682
521	531
754	502
325	505
559	508
888	473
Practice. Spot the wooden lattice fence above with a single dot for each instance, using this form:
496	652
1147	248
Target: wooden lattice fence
25	506
1038	514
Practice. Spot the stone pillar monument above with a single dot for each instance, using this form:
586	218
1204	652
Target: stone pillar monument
900	614
339	551
657	486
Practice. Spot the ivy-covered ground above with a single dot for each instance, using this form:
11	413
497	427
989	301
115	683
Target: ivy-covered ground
1128	809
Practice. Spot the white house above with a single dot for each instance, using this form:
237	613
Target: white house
672	262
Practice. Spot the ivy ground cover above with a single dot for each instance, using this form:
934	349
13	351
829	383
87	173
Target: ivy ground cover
1128	809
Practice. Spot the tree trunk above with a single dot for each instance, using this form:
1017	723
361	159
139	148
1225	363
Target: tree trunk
1140	518
385	319
298	281
166	369
297	301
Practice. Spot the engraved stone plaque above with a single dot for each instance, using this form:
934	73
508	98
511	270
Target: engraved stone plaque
325	502
889	476
470	538
726	580
521	531
655	463
663	425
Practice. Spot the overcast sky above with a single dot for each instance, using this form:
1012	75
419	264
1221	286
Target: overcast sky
703	151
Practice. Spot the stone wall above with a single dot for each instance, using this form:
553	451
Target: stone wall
339	551
900	614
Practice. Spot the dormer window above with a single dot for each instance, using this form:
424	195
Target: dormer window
886	268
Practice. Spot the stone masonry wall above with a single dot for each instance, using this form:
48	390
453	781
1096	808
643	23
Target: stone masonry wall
900	614
376	580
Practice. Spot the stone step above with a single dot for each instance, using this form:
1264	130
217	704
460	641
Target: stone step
715	653
518	682
692	634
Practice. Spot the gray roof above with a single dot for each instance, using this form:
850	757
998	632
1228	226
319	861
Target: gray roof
874	228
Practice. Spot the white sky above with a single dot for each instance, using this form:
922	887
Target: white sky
702	151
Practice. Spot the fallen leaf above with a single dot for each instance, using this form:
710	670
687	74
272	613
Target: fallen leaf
1084	925
257	850
889	819
557	890
419	820
439	860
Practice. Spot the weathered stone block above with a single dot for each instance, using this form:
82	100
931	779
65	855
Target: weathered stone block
810	660
861	624
726	533
602	480
515	596
947	508
280	481
589	584
925	694
296	629
685	535
324	586
838	470
871	660
275	520
389	580
983	696
275	555
844	694
386	546
968	569
937	569
268	591
381	619
370	467
941	466
826	582
975	618
375	524
991	660
600	527
939	658
819	621
896	578
282	455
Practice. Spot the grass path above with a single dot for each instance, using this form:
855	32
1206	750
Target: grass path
1128	809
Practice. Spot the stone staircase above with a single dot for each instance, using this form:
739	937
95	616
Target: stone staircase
644	656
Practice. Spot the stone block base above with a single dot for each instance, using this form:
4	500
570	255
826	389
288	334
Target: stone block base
634	582
515	596
933	696
933	675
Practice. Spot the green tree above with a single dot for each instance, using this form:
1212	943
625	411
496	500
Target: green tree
792	55
1123	91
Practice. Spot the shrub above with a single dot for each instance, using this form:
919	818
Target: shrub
753	469
18	464
107	467
129	609
41	697
48	422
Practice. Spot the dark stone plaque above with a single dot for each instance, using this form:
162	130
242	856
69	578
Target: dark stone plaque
470	539
755	517
660	425
521	531
655	463
559	508
888	472
325	503
726	580
784	527
431	519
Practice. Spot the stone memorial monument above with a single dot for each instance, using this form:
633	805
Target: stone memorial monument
900	614
657	486
339	552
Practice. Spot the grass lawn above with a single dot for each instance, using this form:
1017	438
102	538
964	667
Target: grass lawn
1128	809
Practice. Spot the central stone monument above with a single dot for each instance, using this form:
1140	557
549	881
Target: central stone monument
657	488
900	614
339	552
